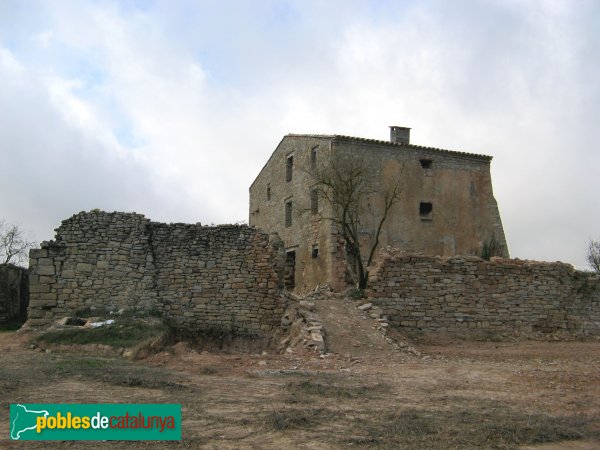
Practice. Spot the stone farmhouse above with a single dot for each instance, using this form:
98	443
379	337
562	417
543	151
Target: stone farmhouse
446	206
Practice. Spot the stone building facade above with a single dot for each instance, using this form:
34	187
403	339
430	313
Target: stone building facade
223	278
446	206
468	297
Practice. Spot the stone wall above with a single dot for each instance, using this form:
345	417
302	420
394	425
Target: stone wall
468	296
14	294
224	278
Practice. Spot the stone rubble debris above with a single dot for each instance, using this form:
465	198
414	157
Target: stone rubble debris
303	327
381	323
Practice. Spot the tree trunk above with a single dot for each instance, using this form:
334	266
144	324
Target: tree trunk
362	279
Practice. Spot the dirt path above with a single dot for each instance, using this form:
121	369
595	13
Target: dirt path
534	395
352	333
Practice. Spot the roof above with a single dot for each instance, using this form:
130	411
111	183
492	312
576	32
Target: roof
343	138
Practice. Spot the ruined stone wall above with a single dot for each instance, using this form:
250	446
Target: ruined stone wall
468	296
202	278
14	294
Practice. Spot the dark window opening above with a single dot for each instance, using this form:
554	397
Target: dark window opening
289	277
288	213
313	158
315	251
426	163
314	201
289	167
268	192
425	210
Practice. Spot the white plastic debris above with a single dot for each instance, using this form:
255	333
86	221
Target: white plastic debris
101	324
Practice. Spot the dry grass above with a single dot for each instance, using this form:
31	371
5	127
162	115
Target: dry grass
492	425
461	402
126	334
328	390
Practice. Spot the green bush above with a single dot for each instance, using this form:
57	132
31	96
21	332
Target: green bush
357	294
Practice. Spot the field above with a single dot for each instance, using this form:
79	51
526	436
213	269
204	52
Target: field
460	395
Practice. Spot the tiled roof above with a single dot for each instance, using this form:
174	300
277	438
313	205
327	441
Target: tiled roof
339	137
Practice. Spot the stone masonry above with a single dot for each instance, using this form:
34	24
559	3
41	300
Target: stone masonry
467	295
13	293
229	278
224	278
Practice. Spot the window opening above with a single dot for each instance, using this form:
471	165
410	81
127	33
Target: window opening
426	210
314	201
289	167
288	213
313	158
426	163
315	251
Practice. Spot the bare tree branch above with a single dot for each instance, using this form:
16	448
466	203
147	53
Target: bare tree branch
346	184
593	255
14	247
390	200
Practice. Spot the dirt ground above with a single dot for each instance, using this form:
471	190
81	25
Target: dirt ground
364	394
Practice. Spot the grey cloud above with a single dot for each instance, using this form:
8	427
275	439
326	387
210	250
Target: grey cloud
516	80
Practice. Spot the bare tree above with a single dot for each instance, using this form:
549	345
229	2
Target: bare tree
593	254
14	247
347	185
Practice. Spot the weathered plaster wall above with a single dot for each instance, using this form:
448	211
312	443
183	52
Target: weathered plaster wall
202	278
14	294
466	295
459	187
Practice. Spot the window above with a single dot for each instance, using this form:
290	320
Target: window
427	166
426	210
315	251
313	158
289	167
288	213
314	201
269	192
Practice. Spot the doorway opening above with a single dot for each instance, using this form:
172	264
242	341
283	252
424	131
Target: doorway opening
290	269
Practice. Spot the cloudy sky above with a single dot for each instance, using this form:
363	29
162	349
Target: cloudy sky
170	108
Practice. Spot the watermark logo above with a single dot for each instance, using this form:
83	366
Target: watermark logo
92	422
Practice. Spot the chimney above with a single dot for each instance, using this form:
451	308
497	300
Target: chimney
400	135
